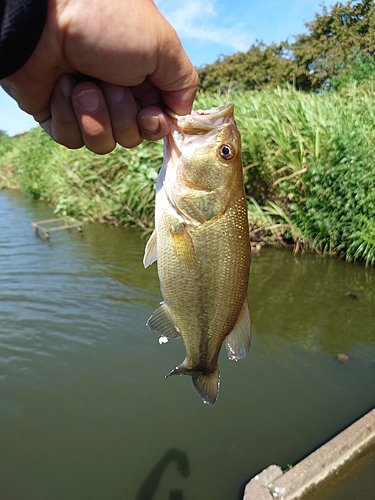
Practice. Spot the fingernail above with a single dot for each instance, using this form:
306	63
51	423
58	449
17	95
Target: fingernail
66	85
115	93
150	123
88	99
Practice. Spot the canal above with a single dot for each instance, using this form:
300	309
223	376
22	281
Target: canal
85	410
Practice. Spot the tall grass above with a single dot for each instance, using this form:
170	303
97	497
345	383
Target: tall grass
314	157
309	165
117	188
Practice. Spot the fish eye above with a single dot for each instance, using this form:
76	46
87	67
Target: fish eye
226	151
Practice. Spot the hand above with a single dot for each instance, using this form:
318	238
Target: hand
134	55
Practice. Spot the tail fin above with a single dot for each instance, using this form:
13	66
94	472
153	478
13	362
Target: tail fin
207	384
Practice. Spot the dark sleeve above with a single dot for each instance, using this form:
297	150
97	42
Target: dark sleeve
21	26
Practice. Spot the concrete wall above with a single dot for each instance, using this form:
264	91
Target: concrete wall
316	468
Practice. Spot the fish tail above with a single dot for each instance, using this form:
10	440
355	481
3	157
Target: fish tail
207	384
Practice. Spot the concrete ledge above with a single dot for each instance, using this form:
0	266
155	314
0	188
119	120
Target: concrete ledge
314	469
259	487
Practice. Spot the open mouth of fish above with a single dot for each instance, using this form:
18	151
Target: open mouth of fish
189	133
201	121
199	127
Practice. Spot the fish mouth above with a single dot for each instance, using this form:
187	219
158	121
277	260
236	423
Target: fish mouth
201	121
200	125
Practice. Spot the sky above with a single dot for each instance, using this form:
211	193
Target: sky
208	29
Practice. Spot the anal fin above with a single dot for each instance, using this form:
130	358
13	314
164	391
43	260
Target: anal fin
238	341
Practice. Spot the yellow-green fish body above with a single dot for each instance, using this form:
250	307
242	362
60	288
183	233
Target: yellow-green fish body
201	243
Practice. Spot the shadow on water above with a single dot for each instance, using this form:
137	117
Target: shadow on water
151	483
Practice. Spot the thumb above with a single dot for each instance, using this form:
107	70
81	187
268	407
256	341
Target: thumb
176	79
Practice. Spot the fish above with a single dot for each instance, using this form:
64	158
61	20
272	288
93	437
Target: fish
201	245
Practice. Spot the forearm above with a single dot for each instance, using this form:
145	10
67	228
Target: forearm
21	26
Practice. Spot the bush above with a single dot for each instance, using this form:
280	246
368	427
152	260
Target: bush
117	188
338	208
358	69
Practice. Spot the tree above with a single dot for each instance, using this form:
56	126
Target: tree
5	143
334	39
261	65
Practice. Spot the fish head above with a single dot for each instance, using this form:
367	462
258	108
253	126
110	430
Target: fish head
203	158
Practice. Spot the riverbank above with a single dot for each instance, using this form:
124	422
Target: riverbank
308	164
309	477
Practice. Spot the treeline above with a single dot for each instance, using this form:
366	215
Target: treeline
335	39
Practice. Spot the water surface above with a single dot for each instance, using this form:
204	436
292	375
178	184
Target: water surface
85	411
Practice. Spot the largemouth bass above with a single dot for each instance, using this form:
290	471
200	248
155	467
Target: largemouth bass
201	244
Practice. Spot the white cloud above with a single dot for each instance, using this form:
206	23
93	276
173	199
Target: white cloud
203	21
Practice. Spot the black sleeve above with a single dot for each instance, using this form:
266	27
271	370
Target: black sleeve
21	26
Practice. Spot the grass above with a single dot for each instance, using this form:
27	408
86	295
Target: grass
309	166
117	188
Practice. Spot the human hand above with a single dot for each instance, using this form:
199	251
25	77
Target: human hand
135	57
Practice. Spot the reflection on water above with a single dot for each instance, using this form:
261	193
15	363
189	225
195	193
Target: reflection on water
85	410
312	300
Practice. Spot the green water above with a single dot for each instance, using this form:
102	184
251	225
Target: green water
85	411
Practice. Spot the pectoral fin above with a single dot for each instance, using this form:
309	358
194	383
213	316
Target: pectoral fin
151	252
183	244
238	341
160	321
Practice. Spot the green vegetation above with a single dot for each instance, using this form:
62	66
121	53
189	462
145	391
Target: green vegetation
309	158
8	176
117	188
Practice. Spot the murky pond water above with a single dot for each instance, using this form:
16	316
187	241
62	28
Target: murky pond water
85	411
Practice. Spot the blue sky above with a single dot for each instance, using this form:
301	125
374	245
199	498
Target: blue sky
207	29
